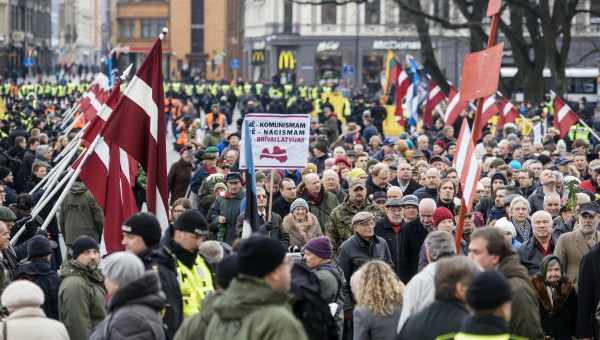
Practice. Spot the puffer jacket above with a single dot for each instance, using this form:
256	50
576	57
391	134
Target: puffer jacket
80	299
80	215
134	312
339	228
525	320
263	315
301	232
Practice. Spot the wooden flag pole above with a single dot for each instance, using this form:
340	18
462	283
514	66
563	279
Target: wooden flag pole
476	123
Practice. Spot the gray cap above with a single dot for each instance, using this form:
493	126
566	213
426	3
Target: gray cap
122	268
6	214
410	200
362	216
396	202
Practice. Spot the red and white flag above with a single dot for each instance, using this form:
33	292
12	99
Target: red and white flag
434	98
402	85
508	112
564	116
466	164
109	173
138	127
454	108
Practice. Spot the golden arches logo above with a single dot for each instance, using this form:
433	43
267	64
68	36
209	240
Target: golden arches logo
287	61
258	57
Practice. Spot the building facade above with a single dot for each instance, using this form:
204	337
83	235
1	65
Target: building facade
25	37
223	36
285	41
80	33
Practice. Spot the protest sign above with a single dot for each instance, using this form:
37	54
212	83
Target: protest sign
279	141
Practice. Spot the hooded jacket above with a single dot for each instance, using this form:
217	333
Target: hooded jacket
263	315
80	299
525	320
134	312
80	215
41	273
559	312
228	206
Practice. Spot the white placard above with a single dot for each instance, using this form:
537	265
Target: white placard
279	141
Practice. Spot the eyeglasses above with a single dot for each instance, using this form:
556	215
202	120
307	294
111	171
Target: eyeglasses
261	196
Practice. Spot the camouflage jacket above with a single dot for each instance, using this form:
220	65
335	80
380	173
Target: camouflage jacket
339	228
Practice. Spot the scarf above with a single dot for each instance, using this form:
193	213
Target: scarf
315	198
523	229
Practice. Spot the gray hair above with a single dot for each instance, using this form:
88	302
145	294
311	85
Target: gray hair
518	200
212	251
41	149
440	244
427	202
449	272
550	196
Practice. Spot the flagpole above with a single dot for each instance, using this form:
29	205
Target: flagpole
46	178
475	134
271	196
590	129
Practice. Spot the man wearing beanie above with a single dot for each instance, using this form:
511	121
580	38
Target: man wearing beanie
37	269
490	249
317	256
81	292
193	275
255	306
141	236
224	212
339	228
135	301
363	246
489	296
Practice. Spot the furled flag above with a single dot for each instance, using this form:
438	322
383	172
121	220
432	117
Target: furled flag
564	116
390	63
466	164
137	126
412	97
454	108
251	208
489	110
434	98
402	85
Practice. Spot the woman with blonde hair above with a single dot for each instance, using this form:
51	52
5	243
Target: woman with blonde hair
378	294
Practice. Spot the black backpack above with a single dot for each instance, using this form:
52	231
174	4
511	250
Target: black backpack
309	307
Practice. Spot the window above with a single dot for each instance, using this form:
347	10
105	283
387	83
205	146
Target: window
288	16
405	17
372	12
595	9
197	26
329	14
152	27
126	28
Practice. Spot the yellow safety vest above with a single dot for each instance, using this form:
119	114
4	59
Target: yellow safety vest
195	284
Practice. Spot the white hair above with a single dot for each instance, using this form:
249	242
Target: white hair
517	200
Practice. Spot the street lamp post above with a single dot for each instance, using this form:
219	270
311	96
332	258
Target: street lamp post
357	46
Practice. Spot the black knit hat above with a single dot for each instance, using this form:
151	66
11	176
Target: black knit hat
40	245
193	222
259	256
4	171
226	271
488	290
83	243
144	225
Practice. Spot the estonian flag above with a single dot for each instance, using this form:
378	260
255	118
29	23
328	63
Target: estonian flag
250	210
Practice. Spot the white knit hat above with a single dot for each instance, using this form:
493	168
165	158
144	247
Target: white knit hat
22	293
506	226
122	268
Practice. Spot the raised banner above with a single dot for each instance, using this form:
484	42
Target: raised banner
279	141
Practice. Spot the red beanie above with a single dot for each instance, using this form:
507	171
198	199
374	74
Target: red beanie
440	214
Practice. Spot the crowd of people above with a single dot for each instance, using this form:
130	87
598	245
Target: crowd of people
359	244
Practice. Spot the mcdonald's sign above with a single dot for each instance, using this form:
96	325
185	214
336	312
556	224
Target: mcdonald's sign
258	57
287	60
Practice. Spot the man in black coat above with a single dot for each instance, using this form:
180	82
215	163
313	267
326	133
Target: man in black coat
432	179
400	239
141	236
404	179
282	204
446	314
540	245
588	294
38	270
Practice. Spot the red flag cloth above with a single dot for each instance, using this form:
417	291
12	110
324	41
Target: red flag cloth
96	97
396	69
564	116
494	7
434	98
109	176
138	127
454	108
402	85
508	112
466	164
481	73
